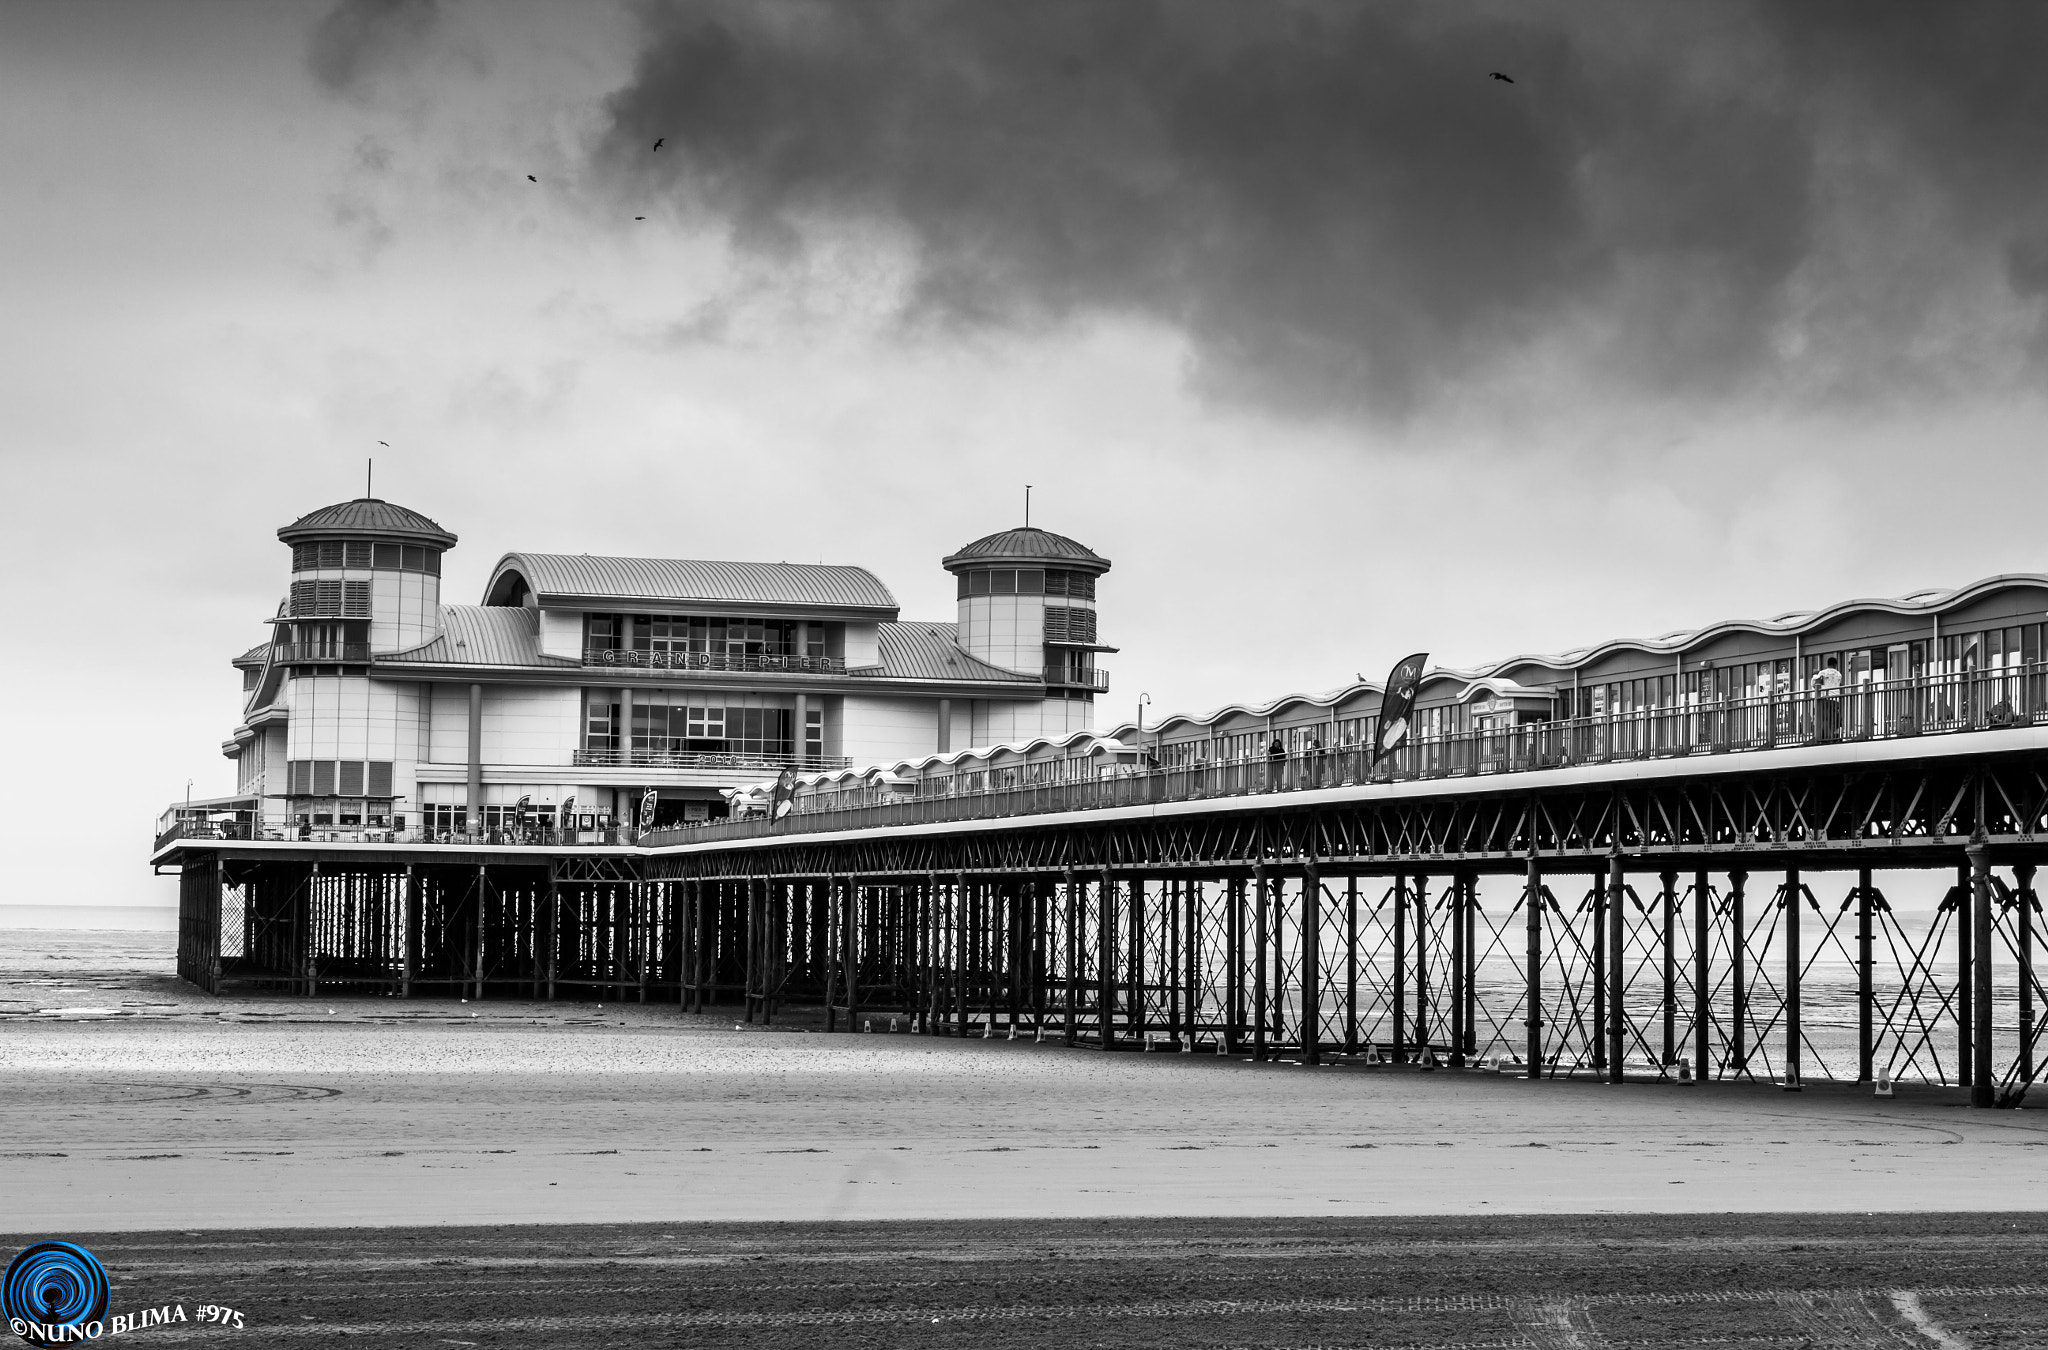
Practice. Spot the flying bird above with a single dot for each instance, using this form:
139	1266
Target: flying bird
385	444
531	179
1502	78
639	217
659	141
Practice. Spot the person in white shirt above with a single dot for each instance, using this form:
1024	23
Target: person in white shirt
1827	700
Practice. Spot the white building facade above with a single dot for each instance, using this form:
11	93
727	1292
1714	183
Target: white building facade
589	694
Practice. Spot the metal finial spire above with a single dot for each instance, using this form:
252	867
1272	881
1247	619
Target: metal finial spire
1027	506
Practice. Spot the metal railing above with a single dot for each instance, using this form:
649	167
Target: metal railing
303	653
536	836
656	660
1091	678
706	759
1879	711
1977	702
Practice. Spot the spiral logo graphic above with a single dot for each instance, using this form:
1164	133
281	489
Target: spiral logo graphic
53	1284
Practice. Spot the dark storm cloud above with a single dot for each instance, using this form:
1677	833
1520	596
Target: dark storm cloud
1336	203
356	35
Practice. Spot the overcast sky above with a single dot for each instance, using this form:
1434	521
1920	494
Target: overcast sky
1337	346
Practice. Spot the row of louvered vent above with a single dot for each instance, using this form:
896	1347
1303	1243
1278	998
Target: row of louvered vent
1063	623
340	778
348	599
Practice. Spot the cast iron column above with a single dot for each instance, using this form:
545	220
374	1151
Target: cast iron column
1670	880
1794	967
1617	971
1532	903
1738	978
1311	964
1702	969
1983	1081
1866	997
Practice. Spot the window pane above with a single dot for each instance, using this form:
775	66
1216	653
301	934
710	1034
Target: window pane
978	583
388	555
1030	581
1002	581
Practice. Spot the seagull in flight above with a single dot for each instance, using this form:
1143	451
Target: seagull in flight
385	444
659	141
1502	78
531	179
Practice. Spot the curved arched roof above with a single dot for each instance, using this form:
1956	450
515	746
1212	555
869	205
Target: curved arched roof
367	518
1026	544
553	577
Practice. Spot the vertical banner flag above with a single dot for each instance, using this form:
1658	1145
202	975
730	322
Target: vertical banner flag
1397	703
567	815
785	795
647	801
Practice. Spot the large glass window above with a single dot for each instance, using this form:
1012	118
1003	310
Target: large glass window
712	729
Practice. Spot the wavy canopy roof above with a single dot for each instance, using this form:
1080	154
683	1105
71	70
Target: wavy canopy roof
573	577
481	635
914	650
1027	544
367	518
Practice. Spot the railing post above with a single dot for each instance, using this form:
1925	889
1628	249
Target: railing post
1794	970
1532	971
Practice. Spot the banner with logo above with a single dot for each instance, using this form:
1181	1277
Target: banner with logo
1397	703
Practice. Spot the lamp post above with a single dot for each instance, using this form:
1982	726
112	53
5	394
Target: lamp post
1143	699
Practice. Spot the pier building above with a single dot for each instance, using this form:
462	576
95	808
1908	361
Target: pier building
586	696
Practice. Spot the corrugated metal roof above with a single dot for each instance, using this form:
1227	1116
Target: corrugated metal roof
367	516
932	651
1027	544
682	579
254	656
481	635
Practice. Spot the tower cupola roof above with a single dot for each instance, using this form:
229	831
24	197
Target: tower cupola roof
367	518
1028	545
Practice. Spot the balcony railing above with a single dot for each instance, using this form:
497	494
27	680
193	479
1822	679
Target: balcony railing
531	836
706	759
1880	711
327	653
1091	678
771	665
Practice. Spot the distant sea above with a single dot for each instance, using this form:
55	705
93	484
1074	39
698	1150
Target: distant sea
135	918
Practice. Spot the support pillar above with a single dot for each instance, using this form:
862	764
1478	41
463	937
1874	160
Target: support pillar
1702	983
1073	970
1105	940
1617	970
1794	971
1738	978
474	809
1966	984
1460	977
1532	970
1351	964
1423	1054
1597	896
1311	964
1260	914
1866	995
1400	1048
2023	922
1984	1080
1670	916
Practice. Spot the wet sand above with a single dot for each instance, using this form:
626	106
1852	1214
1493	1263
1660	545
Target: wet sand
151	1106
